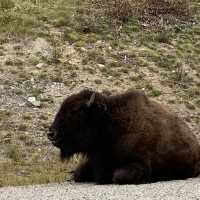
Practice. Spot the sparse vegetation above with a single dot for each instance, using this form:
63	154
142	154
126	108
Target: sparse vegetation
49	49
13	152
123	10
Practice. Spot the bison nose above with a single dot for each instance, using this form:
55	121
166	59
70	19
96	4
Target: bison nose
51	134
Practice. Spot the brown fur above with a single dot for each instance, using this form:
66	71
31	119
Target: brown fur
127	139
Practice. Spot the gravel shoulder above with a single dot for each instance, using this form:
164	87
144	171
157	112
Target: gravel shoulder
184	189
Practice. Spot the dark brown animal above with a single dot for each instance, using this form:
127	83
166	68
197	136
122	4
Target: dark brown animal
127	139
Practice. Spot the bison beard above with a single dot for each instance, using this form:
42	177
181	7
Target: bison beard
127	139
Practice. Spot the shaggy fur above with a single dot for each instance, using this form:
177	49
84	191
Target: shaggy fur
127	139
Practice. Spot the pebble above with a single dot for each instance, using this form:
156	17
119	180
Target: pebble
22	104
101	66
41	65
83	49
34	102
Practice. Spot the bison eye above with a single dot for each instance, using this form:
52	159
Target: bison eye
79	110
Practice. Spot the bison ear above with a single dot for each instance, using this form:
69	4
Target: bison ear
91	100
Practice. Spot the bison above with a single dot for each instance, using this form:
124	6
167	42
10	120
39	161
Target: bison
126	138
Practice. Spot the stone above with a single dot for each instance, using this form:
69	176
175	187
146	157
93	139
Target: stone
41	65
101	66
34	101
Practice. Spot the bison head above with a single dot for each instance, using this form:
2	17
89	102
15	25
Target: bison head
77	125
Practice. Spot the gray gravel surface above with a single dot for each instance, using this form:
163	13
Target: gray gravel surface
188	189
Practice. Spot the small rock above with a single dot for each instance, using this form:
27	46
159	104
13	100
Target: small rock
190	106
83	49
26	133
98	81
101	66
144	24
31	99
34	102
22	104
41	65
99	42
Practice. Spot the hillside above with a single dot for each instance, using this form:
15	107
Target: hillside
50	49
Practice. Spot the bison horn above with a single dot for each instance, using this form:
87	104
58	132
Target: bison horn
91	101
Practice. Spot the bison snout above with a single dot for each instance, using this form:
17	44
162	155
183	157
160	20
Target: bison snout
51	134
53	137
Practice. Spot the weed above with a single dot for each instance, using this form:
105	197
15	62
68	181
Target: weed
13	152
43	117
34	60
6	4
197	102
155	93
23	137
85	61
56	54
89	69
73	75
56	77
18	91
124	10
163	37
27	117
101	60
71	37
36	92
93	54
115	64
13	62
22	127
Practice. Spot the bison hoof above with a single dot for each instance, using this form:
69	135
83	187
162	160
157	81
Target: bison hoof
83	173
79	176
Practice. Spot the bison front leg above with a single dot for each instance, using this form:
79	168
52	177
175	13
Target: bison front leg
102	176
84	172
135	173
103	169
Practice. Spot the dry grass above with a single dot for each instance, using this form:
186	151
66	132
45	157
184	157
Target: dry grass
122	10
176	7
15	174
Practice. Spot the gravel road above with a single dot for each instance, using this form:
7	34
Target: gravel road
188	189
